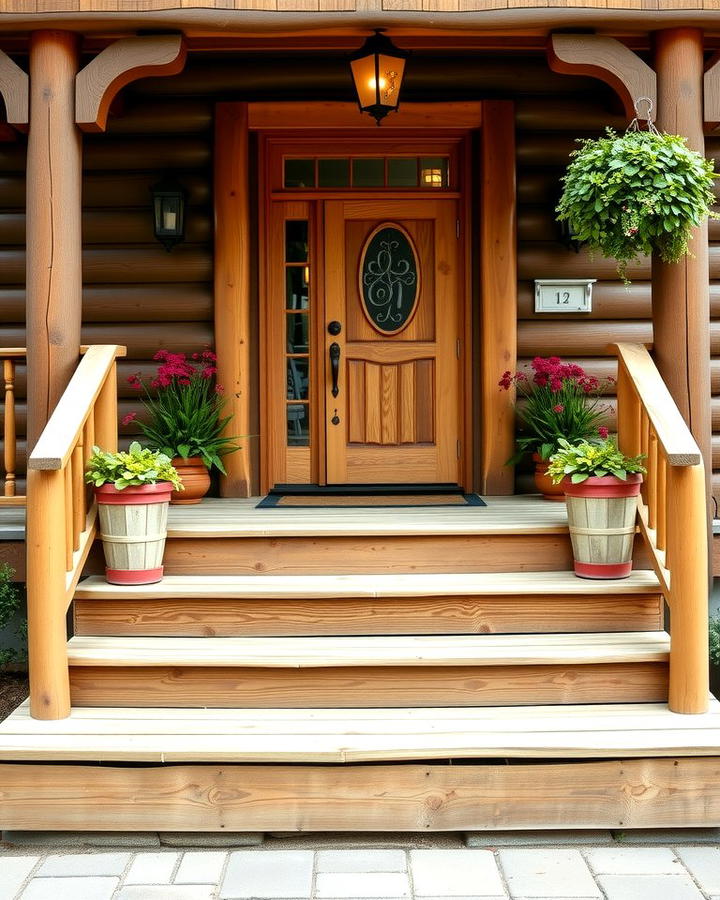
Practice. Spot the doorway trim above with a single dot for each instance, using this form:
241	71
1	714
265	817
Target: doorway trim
495	182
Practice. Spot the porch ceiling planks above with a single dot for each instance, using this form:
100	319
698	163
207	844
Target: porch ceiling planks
359	735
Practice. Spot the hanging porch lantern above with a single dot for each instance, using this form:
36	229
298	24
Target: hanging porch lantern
377	70
169	212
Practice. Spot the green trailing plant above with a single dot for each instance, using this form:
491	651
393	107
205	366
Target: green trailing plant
583	460
560	401
134	467
184	409
10	604
635	194
714	635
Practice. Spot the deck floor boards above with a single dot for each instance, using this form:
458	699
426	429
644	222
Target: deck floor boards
357	735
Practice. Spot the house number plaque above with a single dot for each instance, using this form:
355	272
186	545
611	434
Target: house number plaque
563	295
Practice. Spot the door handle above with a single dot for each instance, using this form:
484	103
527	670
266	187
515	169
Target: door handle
335	367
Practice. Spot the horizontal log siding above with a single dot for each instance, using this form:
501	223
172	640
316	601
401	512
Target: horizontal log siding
135	293
546	133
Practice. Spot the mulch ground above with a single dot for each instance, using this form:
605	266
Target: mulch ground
13	690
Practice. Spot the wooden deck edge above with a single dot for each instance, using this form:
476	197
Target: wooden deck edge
637	793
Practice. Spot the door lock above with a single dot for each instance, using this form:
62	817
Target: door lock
334	328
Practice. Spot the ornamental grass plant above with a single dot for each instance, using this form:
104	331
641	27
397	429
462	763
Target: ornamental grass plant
636	194
184	408
560	401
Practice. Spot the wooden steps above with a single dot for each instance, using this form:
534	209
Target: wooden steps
360	735
282	605
406	670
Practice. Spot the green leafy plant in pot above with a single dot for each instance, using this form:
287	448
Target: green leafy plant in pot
714	644
133	539
601	487
183	412
636	194
559	400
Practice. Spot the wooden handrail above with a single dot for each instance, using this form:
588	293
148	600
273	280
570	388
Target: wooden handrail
10	497
672	515
64	428
61	520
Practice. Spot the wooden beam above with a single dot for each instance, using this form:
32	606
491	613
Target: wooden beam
15	91
54	249
610	61
711	91
124	61
498	303
232	285
635	793
330	114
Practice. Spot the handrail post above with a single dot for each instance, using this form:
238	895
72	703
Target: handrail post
106	420
46	596
688	557
628	414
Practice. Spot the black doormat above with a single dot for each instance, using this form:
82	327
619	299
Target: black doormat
384	496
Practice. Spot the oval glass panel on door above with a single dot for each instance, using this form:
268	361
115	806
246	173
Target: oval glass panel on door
389	278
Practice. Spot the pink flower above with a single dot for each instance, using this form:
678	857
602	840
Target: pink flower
208	371
558	408
603	432
506	380
219	389
130	417
134	381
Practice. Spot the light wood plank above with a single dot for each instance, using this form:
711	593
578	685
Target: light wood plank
400	650
606	794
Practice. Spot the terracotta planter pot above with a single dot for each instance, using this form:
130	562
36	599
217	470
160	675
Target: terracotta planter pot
195	476
133	528
544	483
601	517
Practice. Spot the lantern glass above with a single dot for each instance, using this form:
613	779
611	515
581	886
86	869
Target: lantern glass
169	213
377	70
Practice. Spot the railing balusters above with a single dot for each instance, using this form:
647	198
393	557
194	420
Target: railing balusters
69	542
651	479
61	523
672	518
9	435
661	532
78	499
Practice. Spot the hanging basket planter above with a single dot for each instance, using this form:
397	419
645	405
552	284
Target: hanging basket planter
636	194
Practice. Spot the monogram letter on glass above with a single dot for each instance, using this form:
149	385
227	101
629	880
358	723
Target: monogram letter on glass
389	278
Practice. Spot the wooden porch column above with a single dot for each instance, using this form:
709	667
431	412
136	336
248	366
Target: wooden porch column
680	291
54	247
232	286
498	287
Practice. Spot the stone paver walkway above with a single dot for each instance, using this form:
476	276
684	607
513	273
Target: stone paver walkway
521	873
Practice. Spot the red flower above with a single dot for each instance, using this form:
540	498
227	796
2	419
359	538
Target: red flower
506	380
603	432
135	382
558	408
219	389
130	417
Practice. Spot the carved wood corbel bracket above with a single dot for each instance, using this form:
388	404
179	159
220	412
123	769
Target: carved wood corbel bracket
610	61
124	61
711	91
15	91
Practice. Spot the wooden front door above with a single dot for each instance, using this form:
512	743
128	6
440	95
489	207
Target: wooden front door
393	341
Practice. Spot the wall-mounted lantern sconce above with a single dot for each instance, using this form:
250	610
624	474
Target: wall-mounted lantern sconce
169	212
377	69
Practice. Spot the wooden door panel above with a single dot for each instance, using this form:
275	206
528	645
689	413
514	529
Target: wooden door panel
388	403
396	418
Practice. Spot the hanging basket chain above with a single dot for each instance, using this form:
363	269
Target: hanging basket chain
648	119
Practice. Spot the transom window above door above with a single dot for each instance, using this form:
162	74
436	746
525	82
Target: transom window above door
323	172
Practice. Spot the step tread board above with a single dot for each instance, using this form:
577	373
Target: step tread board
238	517
401	650
373	586
341	735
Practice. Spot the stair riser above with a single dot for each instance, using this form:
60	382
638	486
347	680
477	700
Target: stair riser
377	554
345	687
208	617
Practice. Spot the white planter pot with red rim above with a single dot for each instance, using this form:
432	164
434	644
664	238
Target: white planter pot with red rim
601	517
133	528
